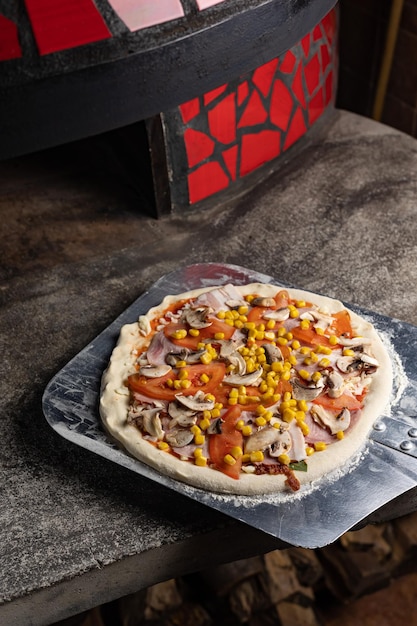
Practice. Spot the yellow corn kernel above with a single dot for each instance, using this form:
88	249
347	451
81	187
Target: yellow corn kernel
308	360
267	415
294	313
296	344
198	452
333	340
162	445
181	364
286	375
304	374
179	334
249	297
284	459
233	393
246	458
260	421
229	460
300	304
309	450
260	334
185	383
319	330
277	366
232	401
340	434
304	428
219	336
289	336
229	322
206	358
242	399
253	399
221	315
348	352
323	349
194	332
250	325
305	324
276	397
236	452
247	430
170	383
302	405
209	396
215	413
205	423
199	440
305	350
324	362
260	410
238	324
270	324
263	386
313	356
261	359
239	424
195	429
243	309
288	415
177	384
250	365
292	359
282	341
201	461
300	416
287	396
319	446
257	456
182	374
201	345
315	377
204	378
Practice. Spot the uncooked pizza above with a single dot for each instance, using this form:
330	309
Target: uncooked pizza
248	389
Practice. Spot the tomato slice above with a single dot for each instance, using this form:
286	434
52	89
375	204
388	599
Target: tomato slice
345	401
158	388
342	324
282	298
217	326
222	444
309	337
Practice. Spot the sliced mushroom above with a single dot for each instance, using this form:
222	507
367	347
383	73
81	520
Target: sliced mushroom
264	302
361	362
235	380
272	353
237	360
354	342
335	384
197	318
172	357
279	315
267	437
235	304
144	325
179	412
154	371
215	427
334	422
308	392
198	402
179	437
152	424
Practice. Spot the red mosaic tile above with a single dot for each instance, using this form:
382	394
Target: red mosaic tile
222	120
305	44
296	130
254	112
281	105
329	24
197	146
189	110
317	34
242	92
9	40
298	86
259	148
65	24
316	107
213	94
263	76
312	74
206	180
230	158
325	57
288	62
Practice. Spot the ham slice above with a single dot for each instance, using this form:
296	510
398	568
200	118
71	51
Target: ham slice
159	347
217	298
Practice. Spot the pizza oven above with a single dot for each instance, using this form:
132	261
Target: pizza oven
204	98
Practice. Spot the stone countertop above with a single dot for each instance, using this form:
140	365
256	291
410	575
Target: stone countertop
340	219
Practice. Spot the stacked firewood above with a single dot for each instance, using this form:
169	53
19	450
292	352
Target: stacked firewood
292	587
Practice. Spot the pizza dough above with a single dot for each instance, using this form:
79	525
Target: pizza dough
310	357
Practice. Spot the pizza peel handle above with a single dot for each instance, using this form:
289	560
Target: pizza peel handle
311	518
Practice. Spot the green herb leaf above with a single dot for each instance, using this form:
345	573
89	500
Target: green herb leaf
300	466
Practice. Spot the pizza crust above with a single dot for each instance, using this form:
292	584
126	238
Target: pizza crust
114	404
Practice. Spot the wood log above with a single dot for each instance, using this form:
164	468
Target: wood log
248	598
308	566
291	614
282	579
161	598
223	578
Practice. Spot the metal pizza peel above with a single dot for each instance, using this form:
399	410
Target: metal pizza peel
313	517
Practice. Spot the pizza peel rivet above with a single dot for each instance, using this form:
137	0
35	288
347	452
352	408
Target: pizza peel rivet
379	426
412	432
406	445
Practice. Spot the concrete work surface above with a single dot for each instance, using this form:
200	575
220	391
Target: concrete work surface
77	531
